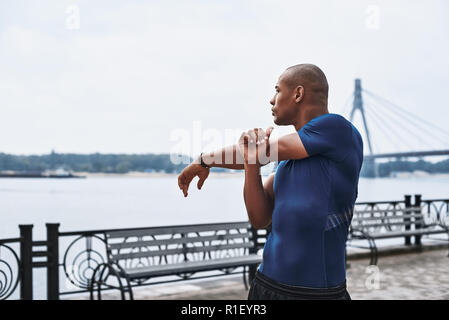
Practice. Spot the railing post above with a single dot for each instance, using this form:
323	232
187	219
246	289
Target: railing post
26	261
408	206
53	261
417	205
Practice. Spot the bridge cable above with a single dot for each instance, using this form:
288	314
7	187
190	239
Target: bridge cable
405	112
344	110
419	126
392	129
415	123
411	132
391	133
378	124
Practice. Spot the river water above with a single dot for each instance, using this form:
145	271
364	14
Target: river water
118	202
121	202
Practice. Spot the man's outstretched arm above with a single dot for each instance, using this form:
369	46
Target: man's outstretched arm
228	157
231	157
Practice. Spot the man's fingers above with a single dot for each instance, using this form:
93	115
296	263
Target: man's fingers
185	189
181	184
252	136
200	183
267	140
260	135
184	184
244	138
180	181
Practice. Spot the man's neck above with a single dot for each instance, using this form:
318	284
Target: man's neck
308	113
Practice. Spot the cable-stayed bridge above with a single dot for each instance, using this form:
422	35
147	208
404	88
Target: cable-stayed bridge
407	134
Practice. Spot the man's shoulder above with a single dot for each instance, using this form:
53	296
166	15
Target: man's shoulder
330	121
351	133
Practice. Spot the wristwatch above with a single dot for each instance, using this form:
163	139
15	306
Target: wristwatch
202	162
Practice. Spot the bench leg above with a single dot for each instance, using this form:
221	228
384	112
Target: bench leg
244	278
248	276
448	241
252	273
347	265
100	269
122	288
98	283
372	247
374	253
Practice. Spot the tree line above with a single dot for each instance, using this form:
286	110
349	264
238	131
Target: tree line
385	169
123	163
94	163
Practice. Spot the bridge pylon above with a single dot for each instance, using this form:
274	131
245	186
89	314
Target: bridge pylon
371	167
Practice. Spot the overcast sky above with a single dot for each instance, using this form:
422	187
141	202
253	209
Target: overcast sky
130	76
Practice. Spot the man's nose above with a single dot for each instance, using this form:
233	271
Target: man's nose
272	101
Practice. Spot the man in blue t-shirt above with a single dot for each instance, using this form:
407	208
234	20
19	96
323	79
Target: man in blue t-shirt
309	201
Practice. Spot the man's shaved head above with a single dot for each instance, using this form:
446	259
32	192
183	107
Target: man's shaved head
313	80
301	94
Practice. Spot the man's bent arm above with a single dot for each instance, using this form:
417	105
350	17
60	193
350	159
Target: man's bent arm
259	198
285	148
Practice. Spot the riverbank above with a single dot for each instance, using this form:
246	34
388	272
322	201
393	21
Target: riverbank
240	173
137	174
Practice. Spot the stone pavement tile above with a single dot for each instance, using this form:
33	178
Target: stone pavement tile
408	276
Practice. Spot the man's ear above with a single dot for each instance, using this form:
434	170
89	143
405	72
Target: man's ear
299	94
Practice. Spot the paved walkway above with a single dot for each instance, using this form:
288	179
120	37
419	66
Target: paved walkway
407	276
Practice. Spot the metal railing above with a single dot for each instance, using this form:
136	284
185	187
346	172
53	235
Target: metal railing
73	256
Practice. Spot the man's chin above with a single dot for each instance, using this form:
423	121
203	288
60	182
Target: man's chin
277	121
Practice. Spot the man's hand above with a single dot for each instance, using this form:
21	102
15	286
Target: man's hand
190	172
254	146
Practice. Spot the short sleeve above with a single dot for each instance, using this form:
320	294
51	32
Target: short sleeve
328	135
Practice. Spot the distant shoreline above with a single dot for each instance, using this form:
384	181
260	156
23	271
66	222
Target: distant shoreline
138	174
229	174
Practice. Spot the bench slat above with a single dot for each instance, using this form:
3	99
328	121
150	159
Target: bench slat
143	254
193	266
375	225
411	209
177	229
385	235
356	218
158	242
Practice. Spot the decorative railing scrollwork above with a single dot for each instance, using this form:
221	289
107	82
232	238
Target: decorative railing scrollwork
9	271
436	212
82	257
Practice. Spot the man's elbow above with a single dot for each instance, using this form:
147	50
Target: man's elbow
260	223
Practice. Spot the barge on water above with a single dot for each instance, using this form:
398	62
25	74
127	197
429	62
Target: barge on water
58	175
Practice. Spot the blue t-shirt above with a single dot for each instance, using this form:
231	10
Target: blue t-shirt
313	202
